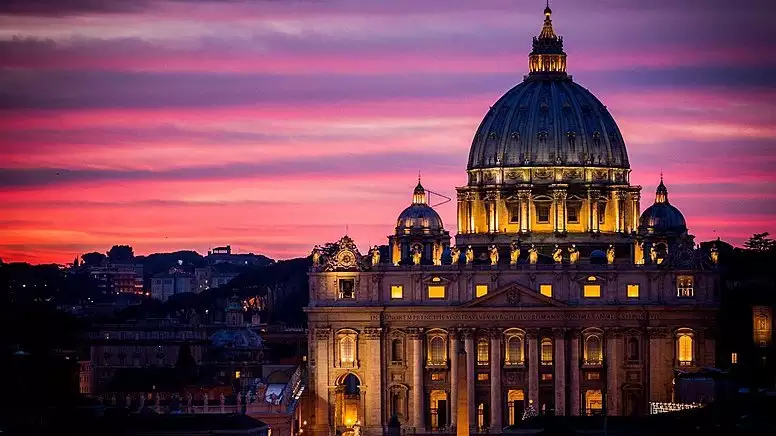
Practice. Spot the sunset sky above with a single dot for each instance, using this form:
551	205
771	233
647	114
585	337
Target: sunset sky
271	125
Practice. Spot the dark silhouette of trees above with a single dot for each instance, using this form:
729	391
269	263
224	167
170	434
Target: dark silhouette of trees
760	242
93	259
121	254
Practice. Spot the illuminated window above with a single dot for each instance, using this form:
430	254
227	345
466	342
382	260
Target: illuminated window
592	291
684	286
593	376
483	376
547	377
481	415
546	351
601	212
482	352
397	292
593	402
546	290
514	213
543	212
436	291
480	290
437	350
572	213
515	350
685	350
437	376
237	374
347	351
347	288
633	291
593	350
734	358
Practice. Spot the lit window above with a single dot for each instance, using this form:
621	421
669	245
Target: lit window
546	377
633	291
572	213
592	291
684	286
437	351
347	288
483	376
237	374
482	352
543	212
593	376
436	291
593	350
515	350
546	290
546	351
514	213
347	351
601	212
480	290
397	292
685	350
593	402
437	376
733	357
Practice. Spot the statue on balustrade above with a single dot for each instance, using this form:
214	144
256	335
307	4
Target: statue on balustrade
437	253
610	254
493	252
375	252
652	254
514	252
417	254
714	254
557	254
455	253
316	255
533	255
573	254
469	255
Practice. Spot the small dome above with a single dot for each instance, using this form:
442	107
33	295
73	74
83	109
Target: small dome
236	338
662	217
419	216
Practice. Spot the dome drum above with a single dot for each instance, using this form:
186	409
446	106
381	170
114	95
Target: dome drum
545	175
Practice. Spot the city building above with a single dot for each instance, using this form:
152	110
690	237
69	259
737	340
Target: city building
225	255
176	281
214	276
558	296
112	278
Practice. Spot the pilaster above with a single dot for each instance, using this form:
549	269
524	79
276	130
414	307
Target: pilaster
574	374
453	357
560	372
468	337
496	400
533	368
661	357
614	351
418	410
322	340
373	413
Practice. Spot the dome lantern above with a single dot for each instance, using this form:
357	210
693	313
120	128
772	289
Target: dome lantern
419	195
547	55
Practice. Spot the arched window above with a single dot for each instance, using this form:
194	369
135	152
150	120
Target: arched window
396	350
546	351
352	385
482	352
347	351
633	349
515	350
685	350
437	350
593	350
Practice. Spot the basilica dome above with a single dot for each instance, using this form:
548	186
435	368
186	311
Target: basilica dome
419	216
662	217
548	119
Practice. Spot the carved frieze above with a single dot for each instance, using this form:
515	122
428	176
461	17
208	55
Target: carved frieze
372	333
658	333
517	316
543	173
514	378
415	333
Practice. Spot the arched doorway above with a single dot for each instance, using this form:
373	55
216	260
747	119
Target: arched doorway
516	402
438	409
348	411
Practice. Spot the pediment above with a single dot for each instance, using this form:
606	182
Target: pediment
514	295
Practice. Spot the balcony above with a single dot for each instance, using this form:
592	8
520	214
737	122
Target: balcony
483	362
592	363
436	364
514	364
686	363
546	362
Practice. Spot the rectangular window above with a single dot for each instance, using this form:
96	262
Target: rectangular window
480	290
483	376
546	290
601	212
572	213
436	291
684	286
543	212
514	213
633	291
397	292
547	377
593	376
347	288
733	357
592	291
237	374
437	376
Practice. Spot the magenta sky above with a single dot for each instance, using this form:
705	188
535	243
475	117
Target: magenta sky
271	125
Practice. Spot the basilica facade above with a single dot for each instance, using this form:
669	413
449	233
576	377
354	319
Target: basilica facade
558	295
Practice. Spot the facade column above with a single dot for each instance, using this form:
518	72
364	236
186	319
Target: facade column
623	208
559	202
635	198
533	369
593	195
321	394
470	375
525	210
418	408
560	372
574	374
373	403
496	397
661	365
614	351
453	358
461	212
470	228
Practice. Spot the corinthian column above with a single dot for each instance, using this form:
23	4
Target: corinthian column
418	409
496	399
559	200
470	375
614	351
560	372
453	379
373	414
574	374
524	195
593	195
533	369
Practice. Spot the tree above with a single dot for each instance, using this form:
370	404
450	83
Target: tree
760	242
93	259
121	254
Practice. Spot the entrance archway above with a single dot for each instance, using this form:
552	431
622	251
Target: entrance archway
438	409
348	411
516	402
